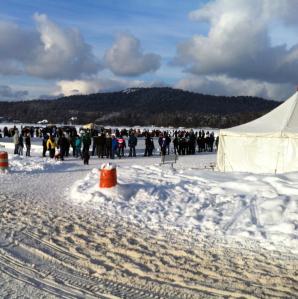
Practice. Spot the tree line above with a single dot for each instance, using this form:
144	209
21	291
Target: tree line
142	106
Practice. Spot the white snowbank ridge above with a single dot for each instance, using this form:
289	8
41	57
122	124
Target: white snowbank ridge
200	202
32	164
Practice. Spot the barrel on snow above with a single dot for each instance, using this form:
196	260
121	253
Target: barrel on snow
108	176
3	161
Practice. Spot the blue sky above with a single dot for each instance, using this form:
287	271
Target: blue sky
223	47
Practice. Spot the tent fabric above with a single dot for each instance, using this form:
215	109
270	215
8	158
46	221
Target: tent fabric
268	144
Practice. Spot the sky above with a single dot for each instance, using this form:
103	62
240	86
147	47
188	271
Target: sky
221	47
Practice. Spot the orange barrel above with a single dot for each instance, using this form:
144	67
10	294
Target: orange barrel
3	160
108	177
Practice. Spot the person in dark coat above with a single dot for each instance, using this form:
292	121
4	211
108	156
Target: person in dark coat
28	144
149	145
44	144
20	145
217	142
73	143
211	142
86	140
132	143
101	145
168	141
176	144
108	146
192	143
62	144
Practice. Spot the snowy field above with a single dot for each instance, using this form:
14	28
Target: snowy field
187	232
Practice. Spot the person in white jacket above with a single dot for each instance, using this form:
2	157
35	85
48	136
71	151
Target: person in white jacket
16	138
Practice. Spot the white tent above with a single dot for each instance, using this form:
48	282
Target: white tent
268	144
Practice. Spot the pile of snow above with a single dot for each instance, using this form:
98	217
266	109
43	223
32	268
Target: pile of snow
108	166
31	164
199	202
35	163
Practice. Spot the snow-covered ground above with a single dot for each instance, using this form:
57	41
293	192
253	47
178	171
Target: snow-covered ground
186	232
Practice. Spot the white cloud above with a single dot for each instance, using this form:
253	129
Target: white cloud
95	85
8	94
50	52
223	85
74	87
125	57
238	44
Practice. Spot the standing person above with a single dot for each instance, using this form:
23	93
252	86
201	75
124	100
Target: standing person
211	141
200	142
176	144
149	145
132	143
160	142
62	143
114	146
109	146
94	137
66	134
73	137
192	142
168	141
20	145
16	142
5	132
51	146
28	144
121	146
217	142
78	144
44	144
163	145
86	140
207	142
101	145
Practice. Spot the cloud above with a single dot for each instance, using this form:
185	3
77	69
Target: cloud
7	94
223	85
74	87
238	44
50	52
125	57
95	85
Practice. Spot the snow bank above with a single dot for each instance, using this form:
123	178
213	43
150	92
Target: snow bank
31	164
200	202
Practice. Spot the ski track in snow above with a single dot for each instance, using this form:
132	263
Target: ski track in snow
161	233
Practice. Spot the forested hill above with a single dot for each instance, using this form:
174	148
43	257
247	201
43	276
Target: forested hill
142	106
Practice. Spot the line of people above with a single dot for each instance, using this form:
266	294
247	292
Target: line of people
106	144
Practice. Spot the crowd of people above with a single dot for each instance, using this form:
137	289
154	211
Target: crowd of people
107	143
